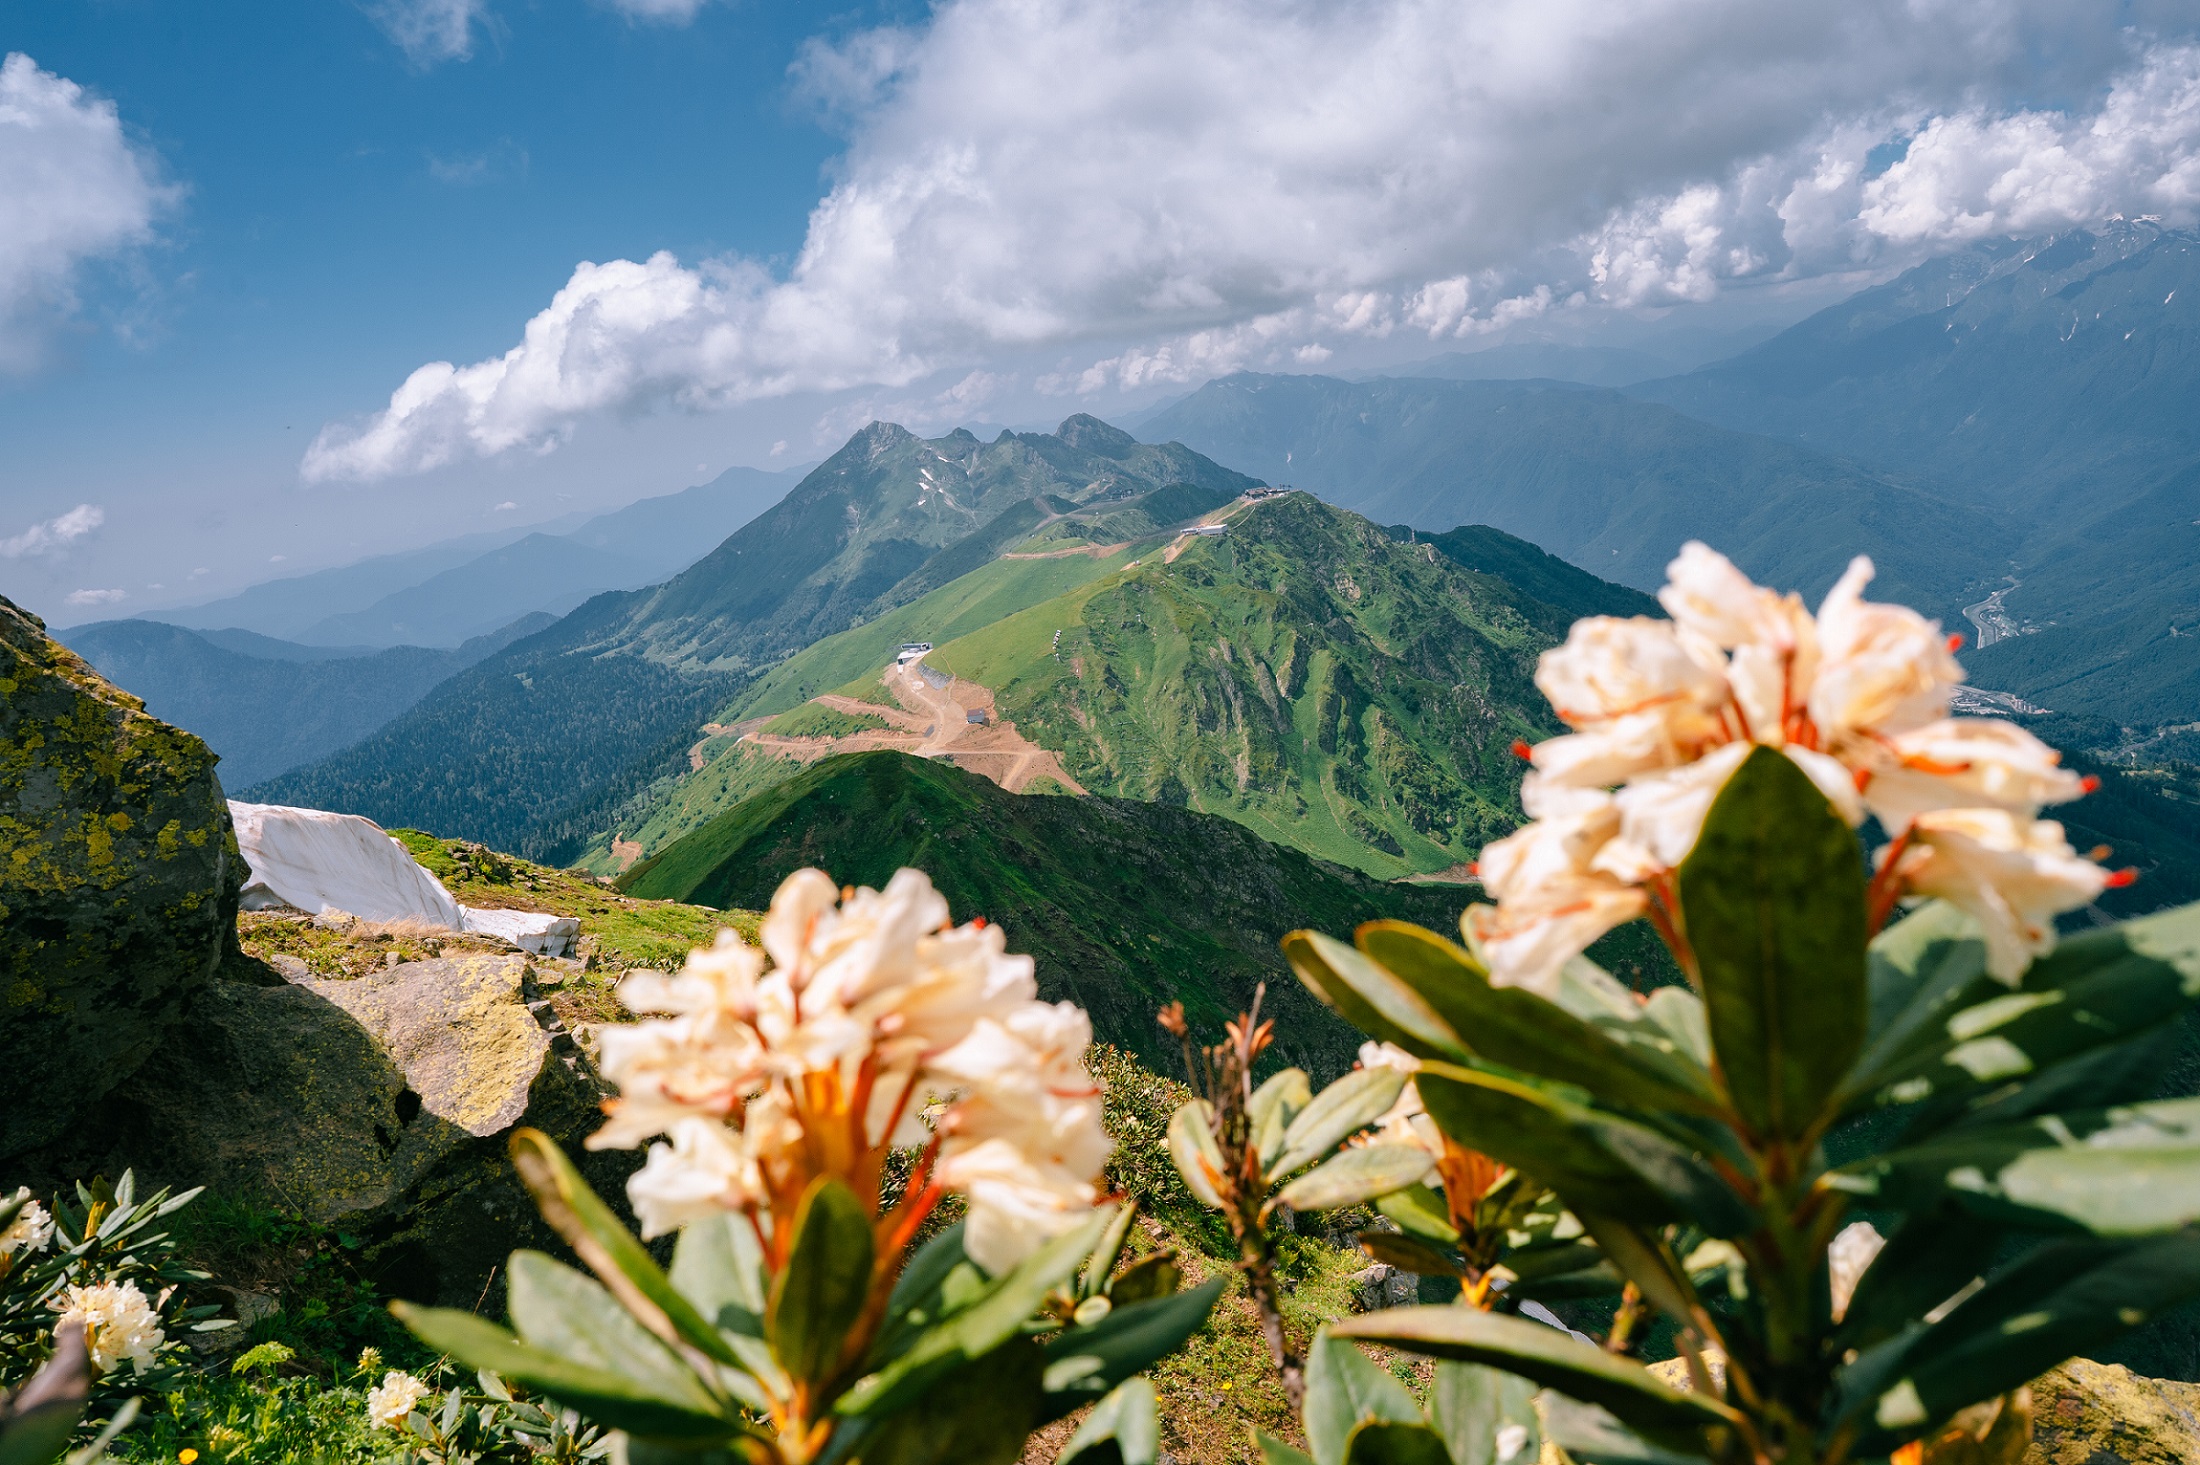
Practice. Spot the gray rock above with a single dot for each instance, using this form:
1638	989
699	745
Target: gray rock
118	883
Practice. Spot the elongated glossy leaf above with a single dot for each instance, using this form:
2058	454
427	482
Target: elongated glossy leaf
1123	1429
1420	1211
566	1312
1193	1150
1594	1160
1592	1436
1345	1389
819	1294
977	1329
1961	1031
1146	1279
1094	1279
36	1431
1357	1175
1272	1108
1335	1114
718	1265
1626	1061
1680	1013
980	1412
1394	1248
1370	998
1930	1257
1275	1452
1484	1416
1544	1354
1773	899
1644	1259
619	1261
937	1281
1085	1362
602	1396
2125	1171
2063	1299
1380	1442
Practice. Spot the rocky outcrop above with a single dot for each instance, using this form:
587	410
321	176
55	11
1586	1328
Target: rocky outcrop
118	883
382	1104
2087	1413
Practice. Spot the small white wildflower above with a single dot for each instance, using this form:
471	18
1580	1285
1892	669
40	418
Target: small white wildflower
119	1322
392	1400
31	1229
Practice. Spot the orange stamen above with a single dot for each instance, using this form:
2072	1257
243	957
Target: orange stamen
2089	784
2118	879
1522	751
1955	642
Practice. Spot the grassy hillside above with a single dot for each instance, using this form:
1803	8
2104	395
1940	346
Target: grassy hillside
1127	906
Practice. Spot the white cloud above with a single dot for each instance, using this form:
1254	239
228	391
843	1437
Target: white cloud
95	597
56	534
72	189
1184	189
429	31
671	12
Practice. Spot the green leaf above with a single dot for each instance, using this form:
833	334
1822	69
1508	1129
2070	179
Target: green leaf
2064	1298
1680	1013
1624	1060
1642	1257
1094	1279
563	1311
1275	1452
1486	1417
39	1433
1595	1161
1379	1442
2129	1170
1123	1429
1193	1149
1543	1354
605	1397
619	1261
1343	1109
1408	1254
979	1413
819	1294
718	1265
1957	1030
1591	1436
979	1328
1772	898
1149	1277
1369	998
1345	1389
1268	1112
1932	1255
1086	1361
1358	1175
1420	1211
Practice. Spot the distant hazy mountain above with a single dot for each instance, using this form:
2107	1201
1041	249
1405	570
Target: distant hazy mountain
1595	366
449	592
516	750
1609	483
272	711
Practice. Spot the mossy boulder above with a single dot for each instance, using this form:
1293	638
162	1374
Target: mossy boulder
118	882
382	1104
2087	1413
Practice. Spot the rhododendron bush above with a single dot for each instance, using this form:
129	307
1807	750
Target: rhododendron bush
1890	1153
801	1320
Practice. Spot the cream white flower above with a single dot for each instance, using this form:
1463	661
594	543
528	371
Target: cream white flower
871	1013
119	1322
2012	874
31	1229
1856	697
391	1401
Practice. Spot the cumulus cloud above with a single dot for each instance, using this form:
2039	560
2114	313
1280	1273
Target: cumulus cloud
1178	190
672	12
95	597
55	535
72	189
429	31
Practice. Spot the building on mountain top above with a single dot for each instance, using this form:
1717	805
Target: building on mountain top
910	651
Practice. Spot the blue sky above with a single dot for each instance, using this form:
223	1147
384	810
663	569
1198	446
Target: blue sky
236	239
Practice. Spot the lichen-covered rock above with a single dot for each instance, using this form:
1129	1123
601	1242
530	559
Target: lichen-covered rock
2087	1413
382	1104
118	882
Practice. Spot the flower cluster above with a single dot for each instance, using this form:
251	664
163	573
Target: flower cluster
866	1021
1664	712
31	1229
119	1321
393	1400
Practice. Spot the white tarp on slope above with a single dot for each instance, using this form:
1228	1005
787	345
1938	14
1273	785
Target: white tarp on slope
316	861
